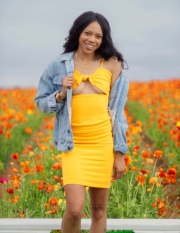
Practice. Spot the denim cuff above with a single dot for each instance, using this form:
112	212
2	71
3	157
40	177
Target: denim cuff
122	148
52	104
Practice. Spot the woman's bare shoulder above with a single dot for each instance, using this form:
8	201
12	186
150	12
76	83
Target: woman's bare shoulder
114	65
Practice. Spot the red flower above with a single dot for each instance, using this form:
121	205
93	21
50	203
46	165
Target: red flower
15	156
10	191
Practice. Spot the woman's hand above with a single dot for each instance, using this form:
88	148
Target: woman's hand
119	166
67	83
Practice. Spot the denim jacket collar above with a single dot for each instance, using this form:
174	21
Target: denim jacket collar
66	56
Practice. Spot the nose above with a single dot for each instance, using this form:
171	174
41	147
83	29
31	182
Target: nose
92	38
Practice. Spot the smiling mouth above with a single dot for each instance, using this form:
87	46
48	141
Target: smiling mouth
89	46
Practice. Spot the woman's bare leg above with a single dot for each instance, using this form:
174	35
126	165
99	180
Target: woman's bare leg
99	200
75	199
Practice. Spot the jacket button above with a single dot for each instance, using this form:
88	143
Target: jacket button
68	131
69	148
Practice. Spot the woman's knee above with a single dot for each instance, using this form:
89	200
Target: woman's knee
75	213
98	212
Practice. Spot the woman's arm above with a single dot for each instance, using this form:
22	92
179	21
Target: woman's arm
119	163
46	93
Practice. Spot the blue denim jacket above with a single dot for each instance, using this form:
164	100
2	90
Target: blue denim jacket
51	82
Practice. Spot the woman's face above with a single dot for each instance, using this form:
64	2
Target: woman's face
91	38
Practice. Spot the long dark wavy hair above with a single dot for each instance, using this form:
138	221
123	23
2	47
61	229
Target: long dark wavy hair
106	50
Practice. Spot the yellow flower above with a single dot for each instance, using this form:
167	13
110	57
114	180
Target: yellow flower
150	111
29	112
31	153
178	125
48	212
61	201
56	186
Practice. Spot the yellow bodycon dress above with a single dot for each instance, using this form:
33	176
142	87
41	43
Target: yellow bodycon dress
90	163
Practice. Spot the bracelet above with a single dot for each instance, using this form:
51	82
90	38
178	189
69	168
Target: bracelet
58	98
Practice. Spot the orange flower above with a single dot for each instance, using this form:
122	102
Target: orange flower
171	172
14	178
42	182
57	165
151	161
30	147
22	164
28	130
145	154
161	208
165	144
171	155
16	184
39	168
14	170
158	154
49	126
49	188
126	170
128	160
154	181
40	186
33	182
54	211
43	147
27	162
22	215
141	180
8	134
56	178
137	147
153	205
15	199
134	153
52	146
53	201
133	168
15	156
26	169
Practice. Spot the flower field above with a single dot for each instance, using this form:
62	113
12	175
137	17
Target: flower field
31	171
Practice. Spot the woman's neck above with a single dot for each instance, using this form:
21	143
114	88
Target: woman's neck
84	57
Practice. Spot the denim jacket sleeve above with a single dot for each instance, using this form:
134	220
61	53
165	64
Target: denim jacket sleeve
119	122
45	97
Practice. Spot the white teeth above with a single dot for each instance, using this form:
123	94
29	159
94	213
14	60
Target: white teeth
90	46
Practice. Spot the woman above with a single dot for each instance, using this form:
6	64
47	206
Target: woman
86	89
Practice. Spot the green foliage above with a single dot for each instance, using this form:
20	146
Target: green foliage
18	138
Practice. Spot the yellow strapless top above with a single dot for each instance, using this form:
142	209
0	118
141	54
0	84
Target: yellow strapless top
101	78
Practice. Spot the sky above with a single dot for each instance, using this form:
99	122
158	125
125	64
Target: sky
32	33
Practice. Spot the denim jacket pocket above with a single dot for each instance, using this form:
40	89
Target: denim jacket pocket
58	80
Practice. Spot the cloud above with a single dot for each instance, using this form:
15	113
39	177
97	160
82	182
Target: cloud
32	33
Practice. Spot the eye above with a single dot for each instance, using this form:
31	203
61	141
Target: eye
87	33
99	37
